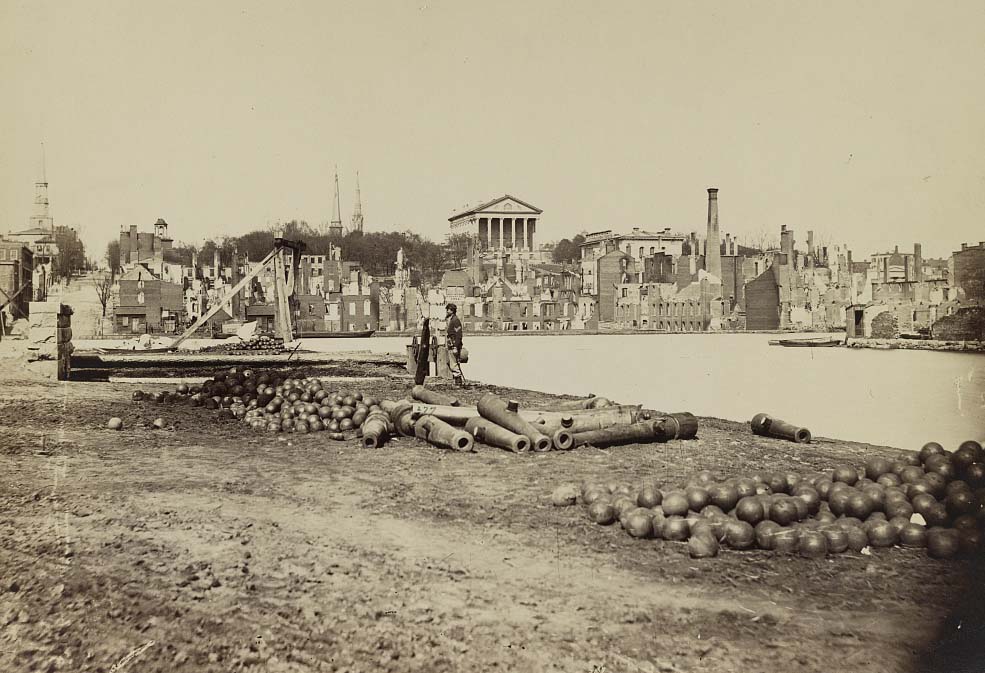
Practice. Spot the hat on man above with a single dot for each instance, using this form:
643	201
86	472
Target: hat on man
451	307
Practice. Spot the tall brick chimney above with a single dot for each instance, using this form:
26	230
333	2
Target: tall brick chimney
713	253
786	244
810	248
917	262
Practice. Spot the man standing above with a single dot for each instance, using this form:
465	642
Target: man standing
454	343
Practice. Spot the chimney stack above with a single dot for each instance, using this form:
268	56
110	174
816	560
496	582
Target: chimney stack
810	249
917	262
786	244
713	253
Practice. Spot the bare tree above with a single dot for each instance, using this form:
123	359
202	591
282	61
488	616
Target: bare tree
104	288
762	240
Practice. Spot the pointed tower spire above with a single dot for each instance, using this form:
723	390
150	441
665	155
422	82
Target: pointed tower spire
337	213
335	228
41	219
357	212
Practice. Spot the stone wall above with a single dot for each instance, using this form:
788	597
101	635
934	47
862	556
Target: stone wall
967	324
50	339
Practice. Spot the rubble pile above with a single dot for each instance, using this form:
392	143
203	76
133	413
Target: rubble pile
933	499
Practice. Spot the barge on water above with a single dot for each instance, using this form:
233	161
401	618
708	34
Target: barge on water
815	342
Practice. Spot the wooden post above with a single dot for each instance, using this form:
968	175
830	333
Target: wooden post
282	299
441	363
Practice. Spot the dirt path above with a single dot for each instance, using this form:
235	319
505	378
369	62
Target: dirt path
205	547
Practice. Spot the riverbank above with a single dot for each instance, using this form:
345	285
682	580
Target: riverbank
919	345
215	549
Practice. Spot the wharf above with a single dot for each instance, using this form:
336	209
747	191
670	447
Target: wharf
137	360
918	345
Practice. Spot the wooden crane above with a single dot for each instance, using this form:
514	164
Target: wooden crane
285	275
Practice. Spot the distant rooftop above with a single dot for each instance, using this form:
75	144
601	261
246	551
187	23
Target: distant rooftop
636	233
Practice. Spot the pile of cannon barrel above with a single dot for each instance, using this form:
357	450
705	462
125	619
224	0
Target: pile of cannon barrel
445	422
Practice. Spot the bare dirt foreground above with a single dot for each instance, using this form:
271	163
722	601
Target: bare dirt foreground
206	547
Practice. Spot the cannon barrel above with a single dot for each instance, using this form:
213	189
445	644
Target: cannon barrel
433	397
489	433
686	424
452	415
586	419
674	426
563	439
435	431
643	432
767	426
400	416
590	402
496	410
375	429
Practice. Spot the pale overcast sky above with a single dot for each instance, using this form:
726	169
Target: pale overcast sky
864	121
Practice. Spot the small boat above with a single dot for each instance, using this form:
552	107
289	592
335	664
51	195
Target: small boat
815	342
132	351
335	335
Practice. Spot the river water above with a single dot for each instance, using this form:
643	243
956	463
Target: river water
900	398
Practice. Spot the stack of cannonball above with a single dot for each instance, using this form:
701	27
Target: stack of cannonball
932	499
271	402
257	343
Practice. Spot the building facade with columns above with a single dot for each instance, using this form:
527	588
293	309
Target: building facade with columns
504	224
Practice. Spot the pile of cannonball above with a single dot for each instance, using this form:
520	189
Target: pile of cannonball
930	499
272	402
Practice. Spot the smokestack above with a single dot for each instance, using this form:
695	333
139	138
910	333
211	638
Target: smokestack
917	262
713	253
810	249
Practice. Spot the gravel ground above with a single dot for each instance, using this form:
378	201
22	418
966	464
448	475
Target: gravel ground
206	547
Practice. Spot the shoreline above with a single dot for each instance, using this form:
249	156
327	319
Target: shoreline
490	333
918	345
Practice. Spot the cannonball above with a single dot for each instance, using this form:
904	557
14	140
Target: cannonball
602	512
930	449
812	544
649	496
564	495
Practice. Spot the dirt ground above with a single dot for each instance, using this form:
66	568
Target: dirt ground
206	547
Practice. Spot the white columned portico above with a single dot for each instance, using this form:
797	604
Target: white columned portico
505	223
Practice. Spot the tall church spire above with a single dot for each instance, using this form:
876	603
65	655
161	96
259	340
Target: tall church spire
335	228
41	219
357	211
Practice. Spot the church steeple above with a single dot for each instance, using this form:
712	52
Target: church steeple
357	211
335	228
41	219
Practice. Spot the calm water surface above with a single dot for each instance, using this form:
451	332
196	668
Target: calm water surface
896	398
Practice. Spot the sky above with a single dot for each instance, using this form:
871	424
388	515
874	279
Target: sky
861	121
